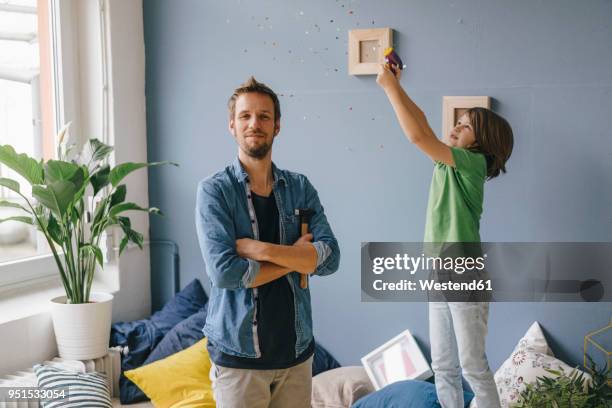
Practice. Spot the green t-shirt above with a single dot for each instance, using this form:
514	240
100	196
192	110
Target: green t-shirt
455	199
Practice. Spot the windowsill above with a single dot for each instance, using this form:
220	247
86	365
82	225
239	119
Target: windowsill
34	298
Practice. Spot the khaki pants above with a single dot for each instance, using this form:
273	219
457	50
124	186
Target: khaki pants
240	388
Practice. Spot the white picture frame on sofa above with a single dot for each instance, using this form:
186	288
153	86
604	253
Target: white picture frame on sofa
398	359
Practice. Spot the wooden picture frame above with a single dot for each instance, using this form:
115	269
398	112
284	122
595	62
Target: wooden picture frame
366	47
398	359
454	106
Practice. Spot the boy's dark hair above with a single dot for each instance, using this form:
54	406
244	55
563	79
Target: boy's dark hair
495	139
252	85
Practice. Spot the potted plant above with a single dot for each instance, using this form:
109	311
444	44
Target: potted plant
74	201
569	390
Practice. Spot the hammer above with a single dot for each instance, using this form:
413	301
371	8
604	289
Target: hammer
304	214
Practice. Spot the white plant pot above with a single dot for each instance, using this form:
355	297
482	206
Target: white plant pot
82	331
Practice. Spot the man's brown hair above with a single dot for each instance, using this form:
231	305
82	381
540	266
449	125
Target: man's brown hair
495	139
252	85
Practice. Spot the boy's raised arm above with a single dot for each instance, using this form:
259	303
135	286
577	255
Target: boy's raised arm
411	119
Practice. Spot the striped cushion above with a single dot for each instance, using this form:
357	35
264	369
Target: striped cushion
82	389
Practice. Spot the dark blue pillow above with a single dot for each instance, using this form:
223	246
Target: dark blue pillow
406	394
183	335
142	336
322	360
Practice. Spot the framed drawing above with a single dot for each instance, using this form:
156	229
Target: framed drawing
398	359
366	49
454	106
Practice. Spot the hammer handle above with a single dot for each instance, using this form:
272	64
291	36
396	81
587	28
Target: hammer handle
303	277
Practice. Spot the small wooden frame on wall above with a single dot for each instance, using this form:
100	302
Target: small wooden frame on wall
455	106
366	49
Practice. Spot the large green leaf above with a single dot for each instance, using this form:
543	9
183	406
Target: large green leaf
56	170
130	234
119	208
99	151
119	195
57	196
122	170
124	241
10	184
26	166
54	230
99	179
20	218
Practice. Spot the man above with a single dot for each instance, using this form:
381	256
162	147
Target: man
259	324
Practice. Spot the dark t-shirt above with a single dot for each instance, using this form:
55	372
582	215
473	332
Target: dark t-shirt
275	308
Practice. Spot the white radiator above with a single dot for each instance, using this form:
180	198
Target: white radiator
110	365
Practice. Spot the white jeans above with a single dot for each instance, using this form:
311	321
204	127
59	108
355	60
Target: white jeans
457	332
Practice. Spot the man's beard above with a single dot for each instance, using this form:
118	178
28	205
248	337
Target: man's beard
257	152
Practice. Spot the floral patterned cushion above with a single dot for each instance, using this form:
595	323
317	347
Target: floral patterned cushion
529	360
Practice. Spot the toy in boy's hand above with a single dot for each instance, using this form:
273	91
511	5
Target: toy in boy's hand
392	59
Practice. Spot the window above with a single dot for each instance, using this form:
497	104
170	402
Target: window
52	71
26	111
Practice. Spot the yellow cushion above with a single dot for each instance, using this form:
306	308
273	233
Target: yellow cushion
180	380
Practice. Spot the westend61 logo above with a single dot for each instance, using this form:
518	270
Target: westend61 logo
489	271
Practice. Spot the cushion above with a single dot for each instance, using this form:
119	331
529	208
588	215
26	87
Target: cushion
323	360
84	389
530	359
179	380
406	394
142	336
183	335
340	387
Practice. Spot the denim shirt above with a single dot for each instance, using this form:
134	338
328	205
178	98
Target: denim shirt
225	213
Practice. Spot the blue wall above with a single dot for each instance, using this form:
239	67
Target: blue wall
546	64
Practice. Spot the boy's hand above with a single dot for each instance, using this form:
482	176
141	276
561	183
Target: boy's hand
386	78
